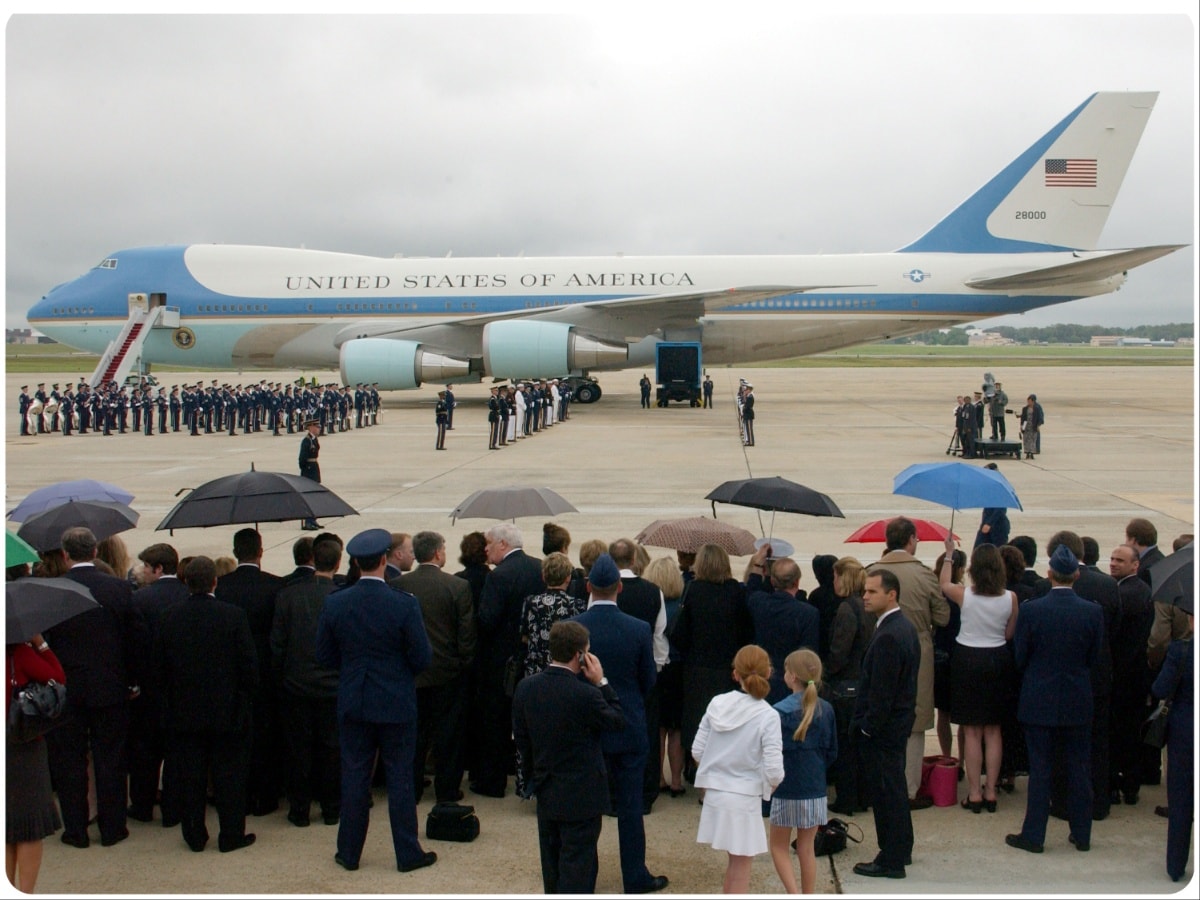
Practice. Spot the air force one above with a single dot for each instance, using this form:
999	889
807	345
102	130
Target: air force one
1026	239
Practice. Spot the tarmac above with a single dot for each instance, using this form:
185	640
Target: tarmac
1118	442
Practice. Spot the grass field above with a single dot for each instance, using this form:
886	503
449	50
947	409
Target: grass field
58	358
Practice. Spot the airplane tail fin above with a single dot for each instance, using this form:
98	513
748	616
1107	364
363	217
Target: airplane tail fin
1057	194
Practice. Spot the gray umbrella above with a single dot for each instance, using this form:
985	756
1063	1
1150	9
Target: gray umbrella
34	604
253	497
105	518
511	503
1173	577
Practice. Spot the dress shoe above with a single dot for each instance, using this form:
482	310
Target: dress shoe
1114	796
76	840
486	792
875	870
975	806
138	816
656	883
115	839
197	846
428	858
345	863
170	821
923	801
1080	845
1131	799
297	818
331	820
236	844
1022	843
264	809
841	810
1158	811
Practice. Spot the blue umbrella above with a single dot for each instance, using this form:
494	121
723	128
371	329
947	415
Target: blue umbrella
64	492
956	485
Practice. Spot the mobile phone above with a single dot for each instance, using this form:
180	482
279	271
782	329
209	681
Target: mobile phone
582	658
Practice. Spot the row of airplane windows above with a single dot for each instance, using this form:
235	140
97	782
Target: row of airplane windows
776	303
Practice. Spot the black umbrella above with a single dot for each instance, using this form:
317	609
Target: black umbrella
35	604
775	494
104	518
253	497
1172	578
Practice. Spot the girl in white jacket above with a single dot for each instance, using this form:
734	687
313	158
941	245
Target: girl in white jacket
739	753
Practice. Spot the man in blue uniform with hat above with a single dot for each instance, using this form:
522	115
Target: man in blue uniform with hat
1058	639
374	636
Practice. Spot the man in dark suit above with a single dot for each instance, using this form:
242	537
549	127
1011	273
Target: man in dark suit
373	636
1028	548
558	723
1131	675
883	719
450	404
624	644
253	591
783	622
448	612
643	600
161	590
302	556
514	577
1142	536
1058	640
1101	589
204	659
98	651
307	691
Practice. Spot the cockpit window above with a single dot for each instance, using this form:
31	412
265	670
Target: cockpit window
107	264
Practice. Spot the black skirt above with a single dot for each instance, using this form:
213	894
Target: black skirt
981	684
32	814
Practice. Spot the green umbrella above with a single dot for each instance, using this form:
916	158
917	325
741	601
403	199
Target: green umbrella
17	551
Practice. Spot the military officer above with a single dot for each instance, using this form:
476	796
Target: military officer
310	449
441	416
23	403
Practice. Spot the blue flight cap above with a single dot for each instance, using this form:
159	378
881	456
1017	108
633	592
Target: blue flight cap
604	572
370	543
1064	562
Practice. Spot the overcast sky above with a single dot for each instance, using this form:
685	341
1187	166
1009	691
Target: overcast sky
759	131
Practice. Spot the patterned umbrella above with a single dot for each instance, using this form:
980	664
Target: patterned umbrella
689	535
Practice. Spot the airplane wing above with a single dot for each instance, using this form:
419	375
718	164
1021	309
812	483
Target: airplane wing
1080	272
617	318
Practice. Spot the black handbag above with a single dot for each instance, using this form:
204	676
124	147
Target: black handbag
1154	729
832	836
452	822
35	709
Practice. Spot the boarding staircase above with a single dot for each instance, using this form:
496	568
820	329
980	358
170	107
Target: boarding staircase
125	351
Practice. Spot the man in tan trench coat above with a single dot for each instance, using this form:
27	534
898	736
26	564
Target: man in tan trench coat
923	604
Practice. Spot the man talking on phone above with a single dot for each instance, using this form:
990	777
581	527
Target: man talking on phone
557	723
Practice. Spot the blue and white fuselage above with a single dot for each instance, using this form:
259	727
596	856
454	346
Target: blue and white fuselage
1024	240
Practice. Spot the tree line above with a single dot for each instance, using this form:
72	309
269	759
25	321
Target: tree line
1053	334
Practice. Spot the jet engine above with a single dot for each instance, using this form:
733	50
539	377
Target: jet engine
528	349
398	365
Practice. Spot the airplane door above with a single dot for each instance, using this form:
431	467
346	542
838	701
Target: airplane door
138	303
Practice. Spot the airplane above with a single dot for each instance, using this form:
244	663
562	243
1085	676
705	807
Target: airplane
1026	239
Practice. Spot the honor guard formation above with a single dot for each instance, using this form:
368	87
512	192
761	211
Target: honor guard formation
198	409
519	410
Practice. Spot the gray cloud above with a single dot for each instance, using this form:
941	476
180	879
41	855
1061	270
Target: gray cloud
500	135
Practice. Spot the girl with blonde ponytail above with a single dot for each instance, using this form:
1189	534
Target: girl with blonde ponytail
809	739
738	751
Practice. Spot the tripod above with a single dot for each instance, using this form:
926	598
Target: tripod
954	447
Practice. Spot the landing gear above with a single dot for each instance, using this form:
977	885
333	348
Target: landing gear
586	392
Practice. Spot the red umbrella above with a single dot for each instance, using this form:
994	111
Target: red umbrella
875	532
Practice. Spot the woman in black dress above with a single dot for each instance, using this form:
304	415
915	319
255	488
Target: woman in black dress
713	625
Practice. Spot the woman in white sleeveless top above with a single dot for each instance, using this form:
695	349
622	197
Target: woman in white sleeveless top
983	674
